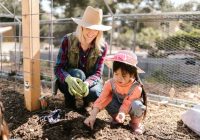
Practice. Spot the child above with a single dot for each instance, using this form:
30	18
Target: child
123	94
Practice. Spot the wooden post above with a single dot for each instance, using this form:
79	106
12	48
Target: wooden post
31	53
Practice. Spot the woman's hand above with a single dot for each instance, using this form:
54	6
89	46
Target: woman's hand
120	118
74	85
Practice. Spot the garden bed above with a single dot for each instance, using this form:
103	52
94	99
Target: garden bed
162	122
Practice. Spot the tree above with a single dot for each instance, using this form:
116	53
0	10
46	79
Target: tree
14	6
190	6
147	37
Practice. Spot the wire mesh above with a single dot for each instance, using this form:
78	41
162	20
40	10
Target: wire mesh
167	45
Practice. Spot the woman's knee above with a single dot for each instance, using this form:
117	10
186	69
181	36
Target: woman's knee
78	73
96	89
94	92
137	108
63	87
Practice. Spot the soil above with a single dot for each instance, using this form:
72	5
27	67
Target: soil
162	122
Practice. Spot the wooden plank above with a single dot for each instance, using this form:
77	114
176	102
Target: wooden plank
31	53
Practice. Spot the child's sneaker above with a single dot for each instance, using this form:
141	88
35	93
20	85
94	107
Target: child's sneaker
114	123
138	129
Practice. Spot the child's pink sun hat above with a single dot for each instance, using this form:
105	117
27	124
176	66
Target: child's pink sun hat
124	56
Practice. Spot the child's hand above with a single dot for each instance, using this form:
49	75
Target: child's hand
89	121
120	117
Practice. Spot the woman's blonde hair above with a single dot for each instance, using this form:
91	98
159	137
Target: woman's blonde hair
99	40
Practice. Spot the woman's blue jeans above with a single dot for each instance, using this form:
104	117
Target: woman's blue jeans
94	91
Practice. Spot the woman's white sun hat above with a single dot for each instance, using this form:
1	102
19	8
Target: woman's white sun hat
92	19
5	29
124	56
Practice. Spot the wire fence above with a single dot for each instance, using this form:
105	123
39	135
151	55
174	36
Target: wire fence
167	46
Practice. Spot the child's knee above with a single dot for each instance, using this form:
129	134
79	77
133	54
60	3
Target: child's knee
137	108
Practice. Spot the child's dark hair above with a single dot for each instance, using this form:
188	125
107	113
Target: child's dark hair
126	68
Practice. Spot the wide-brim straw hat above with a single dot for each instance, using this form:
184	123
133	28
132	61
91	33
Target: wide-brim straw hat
124	56
5	29
92	19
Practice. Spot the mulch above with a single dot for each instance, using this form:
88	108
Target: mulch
162	122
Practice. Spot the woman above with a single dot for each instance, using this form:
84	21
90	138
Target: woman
79	64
